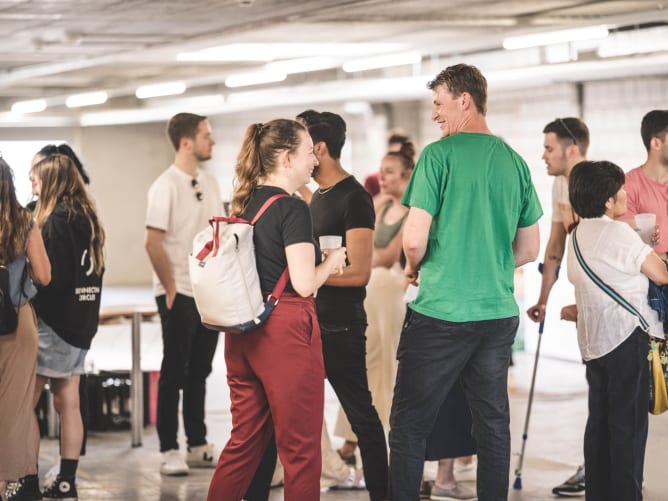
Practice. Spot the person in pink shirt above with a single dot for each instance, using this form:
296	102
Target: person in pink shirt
647	186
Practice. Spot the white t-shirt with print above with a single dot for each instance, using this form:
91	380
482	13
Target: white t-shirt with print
174	208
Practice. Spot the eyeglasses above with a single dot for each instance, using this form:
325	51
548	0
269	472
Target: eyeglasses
198	193
570	133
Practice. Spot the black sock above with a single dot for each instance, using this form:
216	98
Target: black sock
68	467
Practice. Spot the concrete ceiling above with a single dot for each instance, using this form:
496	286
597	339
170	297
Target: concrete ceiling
52	49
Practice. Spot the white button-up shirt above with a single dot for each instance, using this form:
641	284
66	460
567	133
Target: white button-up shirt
614	252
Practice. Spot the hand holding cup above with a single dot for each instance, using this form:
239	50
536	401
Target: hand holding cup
336	258
329	244
646	227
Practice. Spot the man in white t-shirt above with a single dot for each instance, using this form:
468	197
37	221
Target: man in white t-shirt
180	202
565	145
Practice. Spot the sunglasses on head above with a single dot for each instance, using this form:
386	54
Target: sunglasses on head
568	131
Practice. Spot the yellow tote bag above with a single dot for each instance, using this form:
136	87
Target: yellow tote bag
658	394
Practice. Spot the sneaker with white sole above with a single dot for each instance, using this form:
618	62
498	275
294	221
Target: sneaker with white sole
24	489
173	464
202	456
62	489
574	486
456	493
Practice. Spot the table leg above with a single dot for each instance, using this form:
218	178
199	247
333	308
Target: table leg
137	383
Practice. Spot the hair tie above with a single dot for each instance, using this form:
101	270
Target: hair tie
259	128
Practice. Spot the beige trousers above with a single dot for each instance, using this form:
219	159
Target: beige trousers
19	435
385	310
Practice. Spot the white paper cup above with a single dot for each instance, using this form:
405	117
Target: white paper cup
330	242
645	224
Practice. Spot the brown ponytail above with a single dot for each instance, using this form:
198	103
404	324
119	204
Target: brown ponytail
258	156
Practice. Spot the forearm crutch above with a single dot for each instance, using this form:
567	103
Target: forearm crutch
518	471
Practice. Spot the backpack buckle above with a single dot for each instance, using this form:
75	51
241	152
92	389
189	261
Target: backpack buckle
270	297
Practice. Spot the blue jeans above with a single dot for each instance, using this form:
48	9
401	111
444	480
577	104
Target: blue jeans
432	355
344	353
187	353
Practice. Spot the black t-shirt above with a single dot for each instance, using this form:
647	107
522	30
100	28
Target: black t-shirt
287	221
70	303
344	206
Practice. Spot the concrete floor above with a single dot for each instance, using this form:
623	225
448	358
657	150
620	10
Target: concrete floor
112	470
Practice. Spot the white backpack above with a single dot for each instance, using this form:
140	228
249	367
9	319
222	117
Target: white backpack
224	277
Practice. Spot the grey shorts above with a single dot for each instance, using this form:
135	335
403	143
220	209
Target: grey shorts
57	358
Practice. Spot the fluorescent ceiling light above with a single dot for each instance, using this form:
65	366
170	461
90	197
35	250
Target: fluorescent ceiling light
303	65
233	52
86	99
32	106
625	43
254	78
382	62
272	51
161	89
553	37
201	101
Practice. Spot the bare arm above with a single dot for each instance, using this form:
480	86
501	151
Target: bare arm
359	246
554	254
306	277
526	245
415	238
156	253
40	266
389	255
655	269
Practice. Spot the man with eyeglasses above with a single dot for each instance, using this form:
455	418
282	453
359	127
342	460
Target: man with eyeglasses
565	144
180	202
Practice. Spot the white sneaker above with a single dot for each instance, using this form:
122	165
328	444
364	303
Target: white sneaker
202	456
173	464
466	471
354	480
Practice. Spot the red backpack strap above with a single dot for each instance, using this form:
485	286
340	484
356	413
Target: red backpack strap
279	287
266	205
285	276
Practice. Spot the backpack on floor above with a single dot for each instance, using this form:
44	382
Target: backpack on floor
224	278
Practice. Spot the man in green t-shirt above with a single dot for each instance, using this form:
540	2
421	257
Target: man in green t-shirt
472	220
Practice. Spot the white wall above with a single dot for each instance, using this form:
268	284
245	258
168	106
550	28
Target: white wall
122	162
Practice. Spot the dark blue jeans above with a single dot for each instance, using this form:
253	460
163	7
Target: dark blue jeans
188	348
432	355
616	432
344	353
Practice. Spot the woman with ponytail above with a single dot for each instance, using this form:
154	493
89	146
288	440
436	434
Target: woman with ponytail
275	372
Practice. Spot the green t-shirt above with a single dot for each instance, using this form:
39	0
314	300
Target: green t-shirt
478	191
